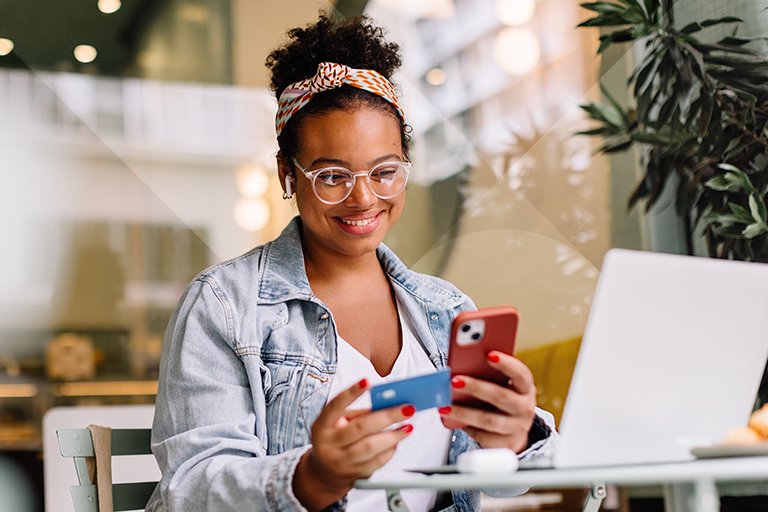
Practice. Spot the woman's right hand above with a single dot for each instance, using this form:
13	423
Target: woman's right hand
347	445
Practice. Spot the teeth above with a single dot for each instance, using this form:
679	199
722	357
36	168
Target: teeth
363	222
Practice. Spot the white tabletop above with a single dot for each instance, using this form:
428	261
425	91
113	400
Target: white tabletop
720	470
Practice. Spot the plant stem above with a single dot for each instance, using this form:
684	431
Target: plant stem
669	12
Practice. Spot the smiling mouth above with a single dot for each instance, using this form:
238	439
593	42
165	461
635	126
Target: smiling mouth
363	222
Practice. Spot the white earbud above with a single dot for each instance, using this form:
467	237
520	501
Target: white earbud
288	192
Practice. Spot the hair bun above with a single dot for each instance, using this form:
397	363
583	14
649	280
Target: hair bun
356	43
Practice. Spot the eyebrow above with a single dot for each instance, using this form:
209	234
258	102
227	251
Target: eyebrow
342	163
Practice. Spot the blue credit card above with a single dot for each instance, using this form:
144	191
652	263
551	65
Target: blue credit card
424	392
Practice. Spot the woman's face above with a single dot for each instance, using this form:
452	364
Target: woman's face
357	139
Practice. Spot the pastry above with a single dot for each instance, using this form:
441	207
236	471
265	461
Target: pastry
759	421
742	436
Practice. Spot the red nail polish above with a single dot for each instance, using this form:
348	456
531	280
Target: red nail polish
363	383
445	410
493	357
407	428
408	410
457	382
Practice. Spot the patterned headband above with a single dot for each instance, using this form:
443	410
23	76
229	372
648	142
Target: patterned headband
330	76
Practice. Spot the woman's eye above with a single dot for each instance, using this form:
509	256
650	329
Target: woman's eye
386	173
331	179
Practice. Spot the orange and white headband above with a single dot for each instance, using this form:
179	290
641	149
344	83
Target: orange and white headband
330	76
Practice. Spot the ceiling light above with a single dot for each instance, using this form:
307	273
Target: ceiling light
515	13
85	53
109	6
252	182
6	46
516	50
251	214
436	76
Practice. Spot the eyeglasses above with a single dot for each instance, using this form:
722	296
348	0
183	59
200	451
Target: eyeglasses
333	185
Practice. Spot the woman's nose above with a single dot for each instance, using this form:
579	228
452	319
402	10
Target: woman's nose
361	194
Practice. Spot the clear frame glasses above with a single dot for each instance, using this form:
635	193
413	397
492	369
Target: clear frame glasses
333	185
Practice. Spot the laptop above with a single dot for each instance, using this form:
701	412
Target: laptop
672	358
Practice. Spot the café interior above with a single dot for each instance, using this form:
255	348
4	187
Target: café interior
137	148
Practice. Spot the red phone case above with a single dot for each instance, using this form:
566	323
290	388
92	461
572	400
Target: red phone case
500	330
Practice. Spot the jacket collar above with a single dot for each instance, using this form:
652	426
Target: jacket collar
283	275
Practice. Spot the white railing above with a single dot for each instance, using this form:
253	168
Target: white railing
138	114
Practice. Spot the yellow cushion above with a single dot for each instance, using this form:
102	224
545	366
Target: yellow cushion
552	366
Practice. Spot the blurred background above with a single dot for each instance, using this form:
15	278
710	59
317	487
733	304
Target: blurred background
137	148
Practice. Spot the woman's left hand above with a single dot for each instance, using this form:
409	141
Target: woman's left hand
508	426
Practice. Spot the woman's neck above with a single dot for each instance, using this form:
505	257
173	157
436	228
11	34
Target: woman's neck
323	267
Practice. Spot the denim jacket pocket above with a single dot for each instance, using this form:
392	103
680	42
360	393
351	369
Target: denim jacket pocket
282	405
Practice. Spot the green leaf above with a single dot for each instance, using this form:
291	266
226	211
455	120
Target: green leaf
603	20
755	209
657	139
721	218
727	182
652	8
755	229
666	112
738	178
700	69
729	167
707	106
729	232
691	28
741	213
643	104
620	36
643	76
596	131
615	147
674	124
723	48
631	3
613	116
603	7
634	15
619	108
726	19
738	41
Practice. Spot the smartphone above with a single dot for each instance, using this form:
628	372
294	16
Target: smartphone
473	335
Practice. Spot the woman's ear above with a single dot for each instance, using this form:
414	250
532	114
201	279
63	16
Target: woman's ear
285	173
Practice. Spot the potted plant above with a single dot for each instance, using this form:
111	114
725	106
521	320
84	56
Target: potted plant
701	113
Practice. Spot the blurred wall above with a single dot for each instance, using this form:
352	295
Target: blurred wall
254	37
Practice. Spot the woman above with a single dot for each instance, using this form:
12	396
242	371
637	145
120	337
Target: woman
266	360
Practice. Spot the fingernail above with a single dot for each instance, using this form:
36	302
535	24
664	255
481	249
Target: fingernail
493	357
408	410
363	383
458	382
407	428
445	410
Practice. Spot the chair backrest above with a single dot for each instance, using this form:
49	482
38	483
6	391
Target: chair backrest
59	476
78	444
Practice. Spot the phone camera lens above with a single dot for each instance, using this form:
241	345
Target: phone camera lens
465	328
476	336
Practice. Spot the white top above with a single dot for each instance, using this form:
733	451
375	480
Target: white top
426	446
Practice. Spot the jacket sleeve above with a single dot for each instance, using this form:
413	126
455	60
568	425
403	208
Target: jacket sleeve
538	447
209	431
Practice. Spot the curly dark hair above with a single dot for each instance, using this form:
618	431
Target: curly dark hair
356	43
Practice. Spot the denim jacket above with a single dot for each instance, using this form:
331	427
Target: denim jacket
246	368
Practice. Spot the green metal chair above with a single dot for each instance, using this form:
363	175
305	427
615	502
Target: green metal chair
78	444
